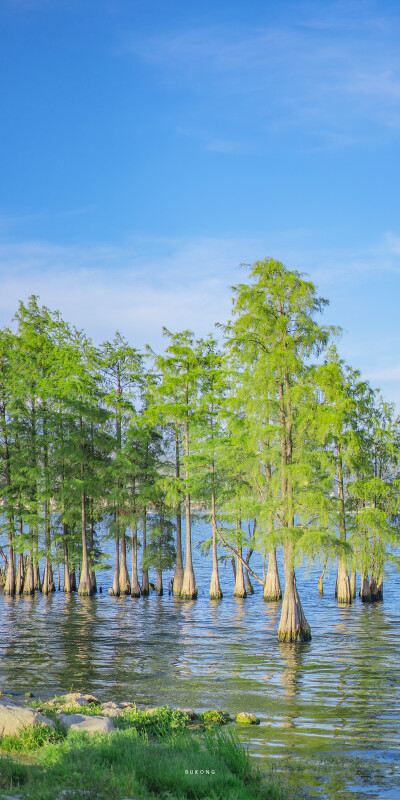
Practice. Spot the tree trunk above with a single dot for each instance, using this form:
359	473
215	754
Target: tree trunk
36	570
189	588
272	586
249	585
215	588
92	572
29	580
124	582
145	572
233	562
48	583
365	592
178	574
240	589
67	576
135	586
376	588
343	588
353	584
159	587
293	626
72	575
19	583
9	586
321	580
85	587
115	591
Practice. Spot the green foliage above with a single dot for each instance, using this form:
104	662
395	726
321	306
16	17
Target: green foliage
124	764
13	774
31	738
160	722
215	717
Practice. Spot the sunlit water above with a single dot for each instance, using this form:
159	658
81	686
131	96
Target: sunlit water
329	709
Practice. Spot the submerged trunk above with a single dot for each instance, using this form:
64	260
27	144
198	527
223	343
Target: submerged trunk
365	592
29	580
85	587
215	588
9	586
145	572
376	588
343	588
115	591
67	575
48	583
135	587
159	587
272	585
178	574
189	588
19	583
92	572
321	580
249	585
353	584
124	582
293	626
240	589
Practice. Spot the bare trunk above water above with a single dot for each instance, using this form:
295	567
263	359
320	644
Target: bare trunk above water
215	588
293	626
124	582
365	592
19	582
135	587
240	589
343	588
272	586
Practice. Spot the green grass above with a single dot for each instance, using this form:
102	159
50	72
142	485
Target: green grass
147	757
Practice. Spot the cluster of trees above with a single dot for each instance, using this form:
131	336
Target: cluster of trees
272	433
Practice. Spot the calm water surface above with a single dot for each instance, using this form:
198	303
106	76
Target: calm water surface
329	709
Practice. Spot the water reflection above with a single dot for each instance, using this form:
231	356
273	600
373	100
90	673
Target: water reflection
336	695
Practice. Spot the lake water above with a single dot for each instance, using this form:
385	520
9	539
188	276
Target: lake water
329	709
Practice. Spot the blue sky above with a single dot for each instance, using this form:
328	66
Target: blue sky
150	148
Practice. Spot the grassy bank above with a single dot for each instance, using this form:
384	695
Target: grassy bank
153	759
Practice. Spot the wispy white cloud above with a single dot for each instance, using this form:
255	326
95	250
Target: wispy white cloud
324	71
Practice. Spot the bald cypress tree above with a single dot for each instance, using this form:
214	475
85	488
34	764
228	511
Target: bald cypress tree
273	334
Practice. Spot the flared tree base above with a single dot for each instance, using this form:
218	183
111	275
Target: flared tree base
272	586
343	588
365	592
135	590
215	588
85	585
189	588
293	626
177	581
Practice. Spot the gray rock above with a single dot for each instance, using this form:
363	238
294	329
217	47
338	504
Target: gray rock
111	709
74	699
190	713
13	718
80	722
